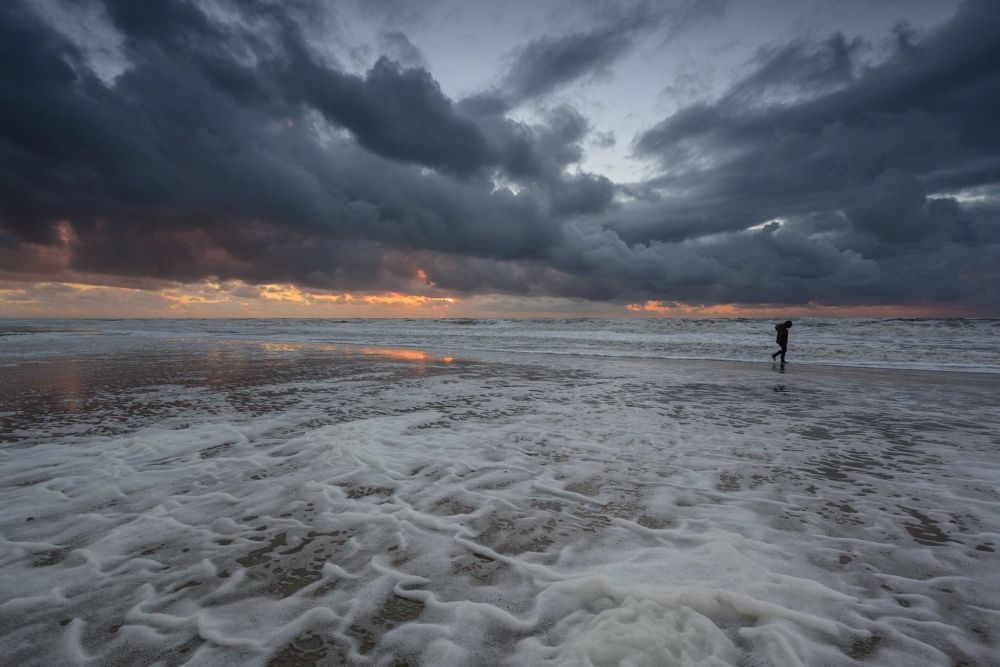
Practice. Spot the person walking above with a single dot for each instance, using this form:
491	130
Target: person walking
782	339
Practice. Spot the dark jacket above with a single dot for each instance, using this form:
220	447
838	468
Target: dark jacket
782	334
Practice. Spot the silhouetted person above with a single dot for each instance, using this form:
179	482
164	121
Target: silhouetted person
782	340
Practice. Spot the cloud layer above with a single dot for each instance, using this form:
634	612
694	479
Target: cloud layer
229	145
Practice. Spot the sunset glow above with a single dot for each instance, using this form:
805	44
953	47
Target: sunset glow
673	309
684	158
237	299
230	299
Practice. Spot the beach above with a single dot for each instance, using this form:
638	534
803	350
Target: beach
364	493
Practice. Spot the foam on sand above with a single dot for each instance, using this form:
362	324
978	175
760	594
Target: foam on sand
217	504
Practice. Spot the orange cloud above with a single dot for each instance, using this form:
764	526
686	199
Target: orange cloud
209	299
238	299
675	309
683	310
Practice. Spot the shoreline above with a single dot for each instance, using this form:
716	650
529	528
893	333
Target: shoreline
480	353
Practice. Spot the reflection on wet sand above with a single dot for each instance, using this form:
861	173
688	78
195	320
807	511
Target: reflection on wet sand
90	395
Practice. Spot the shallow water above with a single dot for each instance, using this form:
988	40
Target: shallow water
217	500
928	344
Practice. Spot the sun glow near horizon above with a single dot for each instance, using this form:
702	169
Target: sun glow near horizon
209	299
236	299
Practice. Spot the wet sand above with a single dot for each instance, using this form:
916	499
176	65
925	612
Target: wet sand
282	504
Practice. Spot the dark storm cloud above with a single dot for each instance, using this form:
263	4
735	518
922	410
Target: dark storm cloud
209	155
865	165
861	162
814	129
801	66
234	148
550	62
397	112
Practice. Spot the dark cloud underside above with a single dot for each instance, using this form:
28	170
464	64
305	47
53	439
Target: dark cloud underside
230	147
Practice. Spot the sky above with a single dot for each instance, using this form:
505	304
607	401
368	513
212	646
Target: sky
458	158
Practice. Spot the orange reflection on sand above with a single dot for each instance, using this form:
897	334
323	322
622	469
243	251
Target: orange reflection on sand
280	347
397	354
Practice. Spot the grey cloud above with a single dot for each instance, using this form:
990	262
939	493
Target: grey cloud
195	163
778	265
236	151
604	139
894	207
549	62
399	48
682	15
395	112
546	64
857	159
926	111
803	66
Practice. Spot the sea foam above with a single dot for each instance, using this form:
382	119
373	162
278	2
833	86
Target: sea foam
220	500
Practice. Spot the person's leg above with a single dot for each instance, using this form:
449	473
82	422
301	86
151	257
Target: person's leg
784	348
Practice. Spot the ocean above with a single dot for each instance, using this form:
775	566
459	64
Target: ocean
499	492
943	344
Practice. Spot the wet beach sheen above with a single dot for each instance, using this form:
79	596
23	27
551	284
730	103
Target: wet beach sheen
220	499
